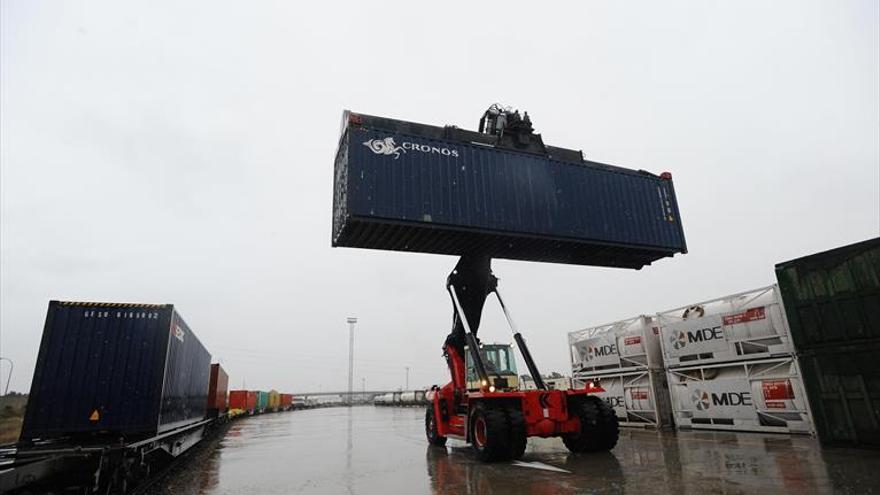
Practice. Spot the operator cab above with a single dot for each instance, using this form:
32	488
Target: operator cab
500	366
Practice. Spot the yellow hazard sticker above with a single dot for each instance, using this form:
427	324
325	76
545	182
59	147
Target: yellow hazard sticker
94	416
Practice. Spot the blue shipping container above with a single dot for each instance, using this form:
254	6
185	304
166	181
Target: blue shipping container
114	369
412	187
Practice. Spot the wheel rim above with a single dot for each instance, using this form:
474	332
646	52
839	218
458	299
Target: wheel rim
480	432
431	426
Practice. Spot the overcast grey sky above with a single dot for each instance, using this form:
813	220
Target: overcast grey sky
182	153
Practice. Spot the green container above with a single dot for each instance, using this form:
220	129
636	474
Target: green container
262	401
833	298
843	387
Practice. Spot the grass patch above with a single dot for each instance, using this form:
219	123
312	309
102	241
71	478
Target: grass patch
11	417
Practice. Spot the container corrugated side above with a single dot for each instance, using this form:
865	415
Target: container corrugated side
843	384
217	389
187	374
238	399
508	204
833	297
100	369
262	400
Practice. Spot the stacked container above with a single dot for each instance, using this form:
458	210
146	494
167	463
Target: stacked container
625	359
730	364
262	401
116	369
833	304
274	401
217	389
244	400
286	402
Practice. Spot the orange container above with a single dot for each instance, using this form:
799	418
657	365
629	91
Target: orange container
217	389
243	399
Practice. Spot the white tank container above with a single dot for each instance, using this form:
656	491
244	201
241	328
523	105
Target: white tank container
748	325
408	398
631	345
764	395
638	398
384	399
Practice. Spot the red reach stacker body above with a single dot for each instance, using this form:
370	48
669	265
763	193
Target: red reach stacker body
482	407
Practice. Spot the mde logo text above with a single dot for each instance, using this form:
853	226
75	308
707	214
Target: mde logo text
682	338
596	351
704	400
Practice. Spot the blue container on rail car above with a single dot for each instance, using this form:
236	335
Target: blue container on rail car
262	401
444	190
111	369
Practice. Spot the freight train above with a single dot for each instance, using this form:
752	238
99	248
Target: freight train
119	392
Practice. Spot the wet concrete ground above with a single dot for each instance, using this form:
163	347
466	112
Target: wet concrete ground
367	450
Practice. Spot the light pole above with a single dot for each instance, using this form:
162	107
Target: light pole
351	323
9	376
407	378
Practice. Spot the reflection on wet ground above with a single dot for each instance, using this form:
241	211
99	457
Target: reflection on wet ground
370	450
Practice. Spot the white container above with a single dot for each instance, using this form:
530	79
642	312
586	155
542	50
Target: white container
638	398
764	395
748	325
632	344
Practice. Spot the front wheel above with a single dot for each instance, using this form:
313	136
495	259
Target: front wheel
490	435
434	437
598	426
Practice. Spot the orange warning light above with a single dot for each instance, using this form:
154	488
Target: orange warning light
94	416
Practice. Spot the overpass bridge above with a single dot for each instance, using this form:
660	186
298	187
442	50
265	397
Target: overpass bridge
340	398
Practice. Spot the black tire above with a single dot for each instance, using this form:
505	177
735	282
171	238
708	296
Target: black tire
516	424
598	426
490	434
434	438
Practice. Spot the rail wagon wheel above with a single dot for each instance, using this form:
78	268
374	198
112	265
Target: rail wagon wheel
490	434
434	437
598	430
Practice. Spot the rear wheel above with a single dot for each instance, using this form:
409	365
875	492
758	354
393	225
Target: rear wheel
434	437
517	431
490	433
598	426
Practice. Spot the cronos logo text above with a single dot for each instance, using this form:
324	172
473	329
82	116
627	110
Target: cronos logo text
703	400
387	146
682	338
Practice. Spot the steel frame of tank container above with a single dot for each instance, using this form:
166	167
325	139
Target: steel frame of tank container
653	360
735	351
754	370
634	371
630	380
